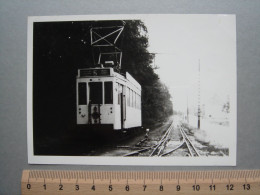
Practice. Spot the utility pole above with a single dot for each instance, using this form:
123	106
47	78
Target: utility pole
199	110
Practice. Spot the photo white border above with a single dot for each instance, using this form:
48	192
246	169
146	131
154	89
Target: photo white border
150	161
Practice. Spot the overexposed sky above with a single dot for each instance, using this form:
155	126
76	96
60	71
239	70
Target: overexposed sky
181	41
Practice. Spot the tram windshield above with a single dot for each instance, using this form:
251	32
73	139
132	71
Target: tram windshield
82	93
108	93
95	92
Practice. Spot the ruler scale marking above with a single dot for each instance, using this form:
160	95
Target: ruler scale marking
150	183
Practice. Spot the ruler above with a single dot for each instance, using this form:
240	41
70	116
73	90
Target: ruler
237	182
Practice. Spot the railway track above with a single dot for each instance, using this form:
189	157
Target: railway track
192	150
186	143
162	143
157	149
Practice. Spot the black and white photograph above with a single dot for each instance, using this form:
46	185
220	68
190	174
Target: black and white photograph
132	90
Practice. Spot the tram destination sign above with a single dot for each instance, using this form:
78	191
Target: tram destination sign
95	72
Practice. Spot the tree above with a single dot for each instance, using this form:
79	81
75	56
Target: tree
156	99
61	48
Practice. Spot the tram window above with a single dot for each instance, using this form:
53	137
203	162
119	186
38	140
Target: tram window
120	88
108	93
134	100
128	96
82	93
120	91
95	92
137	101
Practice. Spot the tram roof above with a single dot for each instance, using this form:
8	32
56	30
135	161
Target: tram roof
107	71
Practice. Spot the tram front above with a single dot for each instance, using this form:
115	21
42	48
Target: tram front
95	97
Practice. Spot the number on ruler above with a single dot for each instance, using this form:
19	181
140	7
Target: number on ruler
127	188
178	188
60	187
28	186
230	187
161	188
246	186
196	187
212	187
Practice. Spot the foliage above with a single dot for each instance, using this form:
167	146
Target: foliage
156	100
61	48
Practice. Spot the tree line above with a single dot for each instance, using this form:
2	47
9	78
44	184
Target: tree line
156	99
61	48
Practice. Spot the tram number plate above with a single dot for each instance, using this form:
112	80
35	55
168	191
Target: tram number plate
94	72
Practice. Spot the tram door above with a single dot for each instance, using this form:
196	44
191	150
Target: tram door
82	103
95	101
122	103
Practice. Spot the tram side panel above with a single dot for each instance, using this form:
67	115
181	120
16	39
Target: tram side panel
133	118
133	107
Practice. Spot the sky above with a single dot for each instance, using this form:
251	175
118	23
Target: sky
182	42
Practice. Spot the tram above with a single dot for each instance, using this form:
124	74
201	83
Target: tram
107	99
